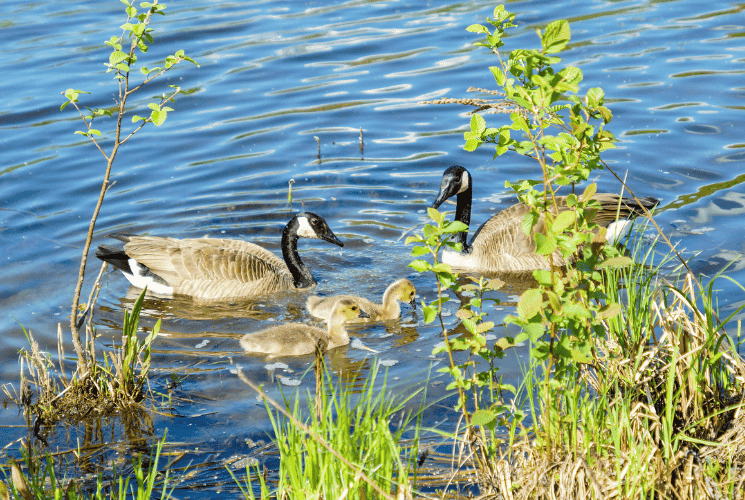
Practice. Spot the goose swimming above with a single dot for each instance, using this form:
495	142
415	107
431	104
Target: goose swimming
501	245
213	268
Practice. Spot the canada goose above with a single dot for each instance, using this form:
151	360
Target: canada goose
296	339
402	290
207	268
500	244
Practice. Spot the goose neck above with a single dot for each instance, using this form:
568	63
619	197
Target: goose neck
337	333
301	276
463	214
390	302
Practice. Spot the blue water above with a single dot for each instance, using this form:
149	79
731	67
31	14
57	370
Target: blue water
275	75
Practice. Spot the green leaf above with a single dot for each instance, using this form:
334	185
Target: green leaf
116	57
544	244
556	37
419	250
482	417
529	222
580	357
435	215
478	124
530	303
617	262
158	117
564	220
442	268
595	97
413	239
455	226
472	144
499	75
608	311
430	313
483	327
420	266
477	28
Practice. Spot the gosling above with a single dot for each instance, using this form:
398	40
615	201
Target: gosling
402	290
298	339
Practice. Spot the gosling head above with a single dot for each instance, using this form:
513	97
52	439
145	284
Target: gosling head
311	225
346	309
406	292
455	180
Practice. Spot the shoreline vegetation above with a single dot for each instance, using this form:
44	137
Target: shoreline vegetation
633	388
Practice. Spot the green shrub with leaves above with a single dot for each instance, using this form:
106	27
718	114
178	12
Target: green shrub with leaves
126	48
565	134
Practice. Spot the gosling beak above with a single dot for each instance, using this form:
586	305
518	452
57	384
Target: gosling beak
363	314
412	303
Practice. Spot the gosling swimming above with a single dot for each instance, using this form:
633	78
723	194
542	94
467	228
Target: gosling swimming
402	290
207	268
297	339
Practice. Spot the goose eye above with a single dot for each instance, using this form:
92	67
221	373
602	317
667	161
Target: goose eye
314	222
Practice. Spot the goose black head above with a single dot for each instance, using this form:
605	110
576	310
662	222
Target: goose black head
455	180
311	225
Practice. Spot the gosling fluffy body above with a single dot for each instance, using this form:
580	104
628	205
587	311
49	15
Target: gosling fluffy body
297	339
402	290
207	268
501	245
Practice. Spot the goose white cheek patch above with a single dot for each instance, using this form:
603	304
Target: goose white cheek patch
304	228
463	182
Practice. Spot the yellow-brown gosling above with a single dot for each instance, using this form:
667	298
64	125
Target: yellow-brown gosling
501	245
402	290
207	268
297	339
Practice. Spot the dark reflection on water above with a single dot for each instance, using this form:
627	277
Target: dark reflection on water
275	75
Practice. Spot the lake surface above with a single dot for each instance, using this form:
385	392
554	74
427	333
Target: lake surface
273	77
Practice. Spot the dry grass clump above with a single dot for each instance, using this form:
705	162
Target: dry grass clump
661	415
116	383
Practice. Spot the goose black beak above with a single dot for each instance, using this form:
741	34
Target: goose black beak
412	303
331	238
363	314
441	197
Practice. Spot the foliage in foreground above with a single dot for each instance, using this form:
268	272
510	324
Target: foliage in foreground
338	448
37	479
634	389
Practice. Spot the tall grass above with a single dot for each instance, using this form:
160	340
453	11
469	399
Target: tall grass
342	445
656	414
37	478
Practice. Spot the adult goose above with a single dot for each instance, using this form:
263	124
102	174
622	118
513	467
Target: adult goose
501	245
402	290
207	268
297	339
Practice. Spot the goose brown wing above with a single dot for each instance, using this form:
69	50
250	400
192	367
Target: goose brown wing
203	263
503	233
